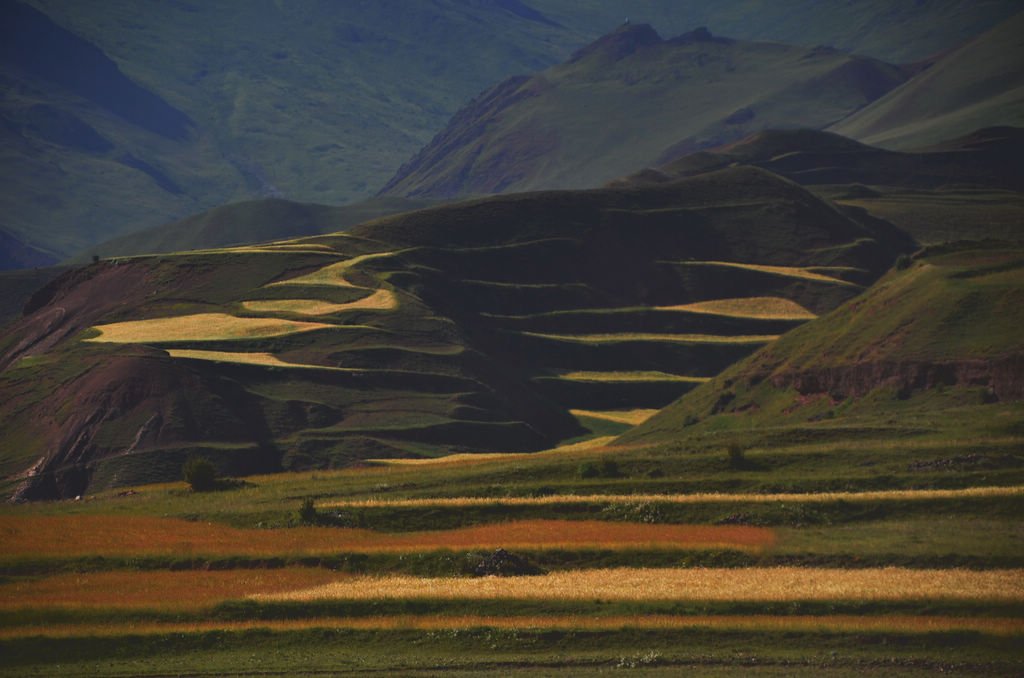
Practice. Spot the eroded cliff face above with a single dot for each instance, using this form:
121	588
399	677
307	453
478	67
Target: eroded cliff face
1003	377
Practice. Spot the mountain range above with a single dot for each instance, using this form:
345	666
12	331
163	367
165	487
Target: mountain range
120	116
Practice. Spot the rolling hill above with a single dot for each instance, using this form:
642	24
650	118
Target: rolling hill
507	323
933	344
979	84
632	99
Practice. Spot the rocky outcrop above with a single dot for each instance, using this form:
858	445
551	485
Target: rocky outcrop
1002	377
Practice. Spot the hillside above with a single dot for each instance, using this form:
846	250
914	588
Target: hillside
632	99
979	84
964	188
247	222
933	343
501	324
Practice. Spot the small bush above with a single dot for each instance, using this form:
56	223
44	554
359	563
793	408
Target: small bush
200	474
587	469
307	512
737	455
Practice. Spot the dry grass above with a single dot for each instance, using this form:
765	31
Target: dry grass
641	376
380	300
68	536
835	623
633	417
788	271
200	327
704	584
647	336
898	495
181	590
773	308
590	445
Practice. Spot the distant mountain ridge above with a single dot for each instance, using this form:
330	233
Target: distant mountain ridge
632	99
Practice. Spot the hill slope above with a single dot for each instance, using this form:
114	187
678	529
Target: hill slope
497	324
980	84
933	339
631	99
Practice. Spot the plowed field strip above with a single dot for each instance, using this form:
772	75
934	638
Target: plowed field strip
56	536
380	300
704	584
633	417
771	308
834	623
788	271
709	497
671	338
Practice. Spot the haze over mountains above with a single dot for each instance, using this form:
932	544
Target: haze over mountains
316	101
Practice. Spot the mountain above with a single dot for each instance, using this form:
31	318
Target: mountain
936	338
120	116
632	99
507	323
965	188
979	84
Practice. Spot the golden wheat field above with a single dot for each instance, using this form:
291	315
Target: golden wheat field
895	495
332	274
632	417
794	623
647	336
640	376
772	308
125	536
200	327
380	300
703	584
788	271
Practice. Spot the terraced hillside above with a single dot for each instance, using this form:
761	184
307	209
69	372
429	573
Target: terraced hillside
941	332
493	325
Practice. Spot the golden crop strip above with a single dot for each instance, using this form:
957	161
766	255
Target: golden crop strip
672	338
633	417
268	359
698	498
381	300
689	584
771	308
200	327
788	271
630	377
812	624
85	535
333	274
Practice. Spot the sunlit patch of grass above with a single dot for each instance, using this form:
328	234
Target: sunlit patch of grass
636	376
788	271
380	300
56	536
254	358
650	336
633	417
795	623
732	584
200	327
772	308
704	497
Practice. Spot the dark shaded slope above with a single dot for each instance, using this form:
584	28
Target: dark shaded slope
32	43
941	332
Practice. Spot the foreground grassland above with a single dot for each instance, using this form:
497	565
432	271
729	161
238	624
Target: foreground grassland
884	555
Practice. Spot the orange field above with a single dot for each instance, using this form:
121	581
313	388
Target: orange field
116	535
161	589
